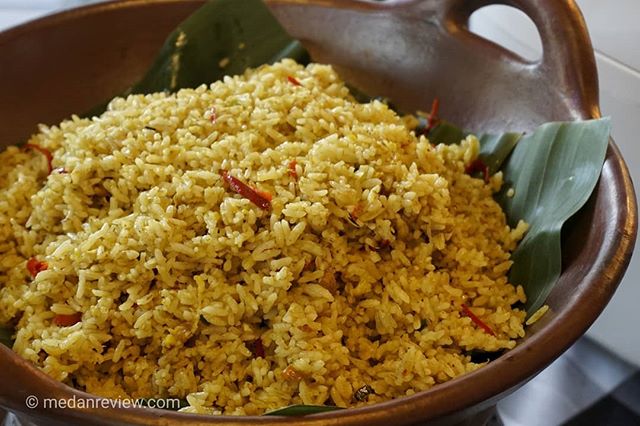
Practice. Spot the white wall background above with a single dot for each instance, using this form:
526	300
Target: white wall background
13	12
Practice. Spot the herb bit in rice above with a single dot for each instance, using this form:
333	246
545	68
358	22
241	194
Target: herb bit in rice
362	394
261	242
224	62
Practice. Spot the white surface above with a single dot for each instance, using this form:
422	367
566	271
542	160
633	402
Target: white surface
579	378
15	12
494	23
616	38
11	17
614	28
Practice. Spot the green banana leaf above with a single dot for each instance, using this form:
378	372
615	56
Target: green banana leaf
302	410
223	37
553	171
494	149
242	33
6	337
446	133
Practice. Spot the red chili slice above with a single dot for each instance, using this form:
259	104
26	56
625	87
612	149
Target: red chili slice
433	115
35	266
292	169
477	320
291	374
259	198
43	151
356	212
294	81
478	166
67	320
213	115
257	348
264	194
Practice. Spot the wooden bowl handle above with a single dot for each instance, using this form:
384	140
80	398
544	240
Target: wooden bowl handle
567	59
412	51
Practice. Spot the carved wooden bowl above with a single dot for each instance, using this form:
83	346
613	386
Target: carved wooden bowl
408	50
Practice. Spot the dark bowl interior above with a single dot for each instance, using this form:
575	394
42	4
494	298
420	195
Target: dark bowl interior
70	62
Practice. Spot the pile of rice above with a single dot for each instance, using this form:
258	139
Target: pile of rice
354	278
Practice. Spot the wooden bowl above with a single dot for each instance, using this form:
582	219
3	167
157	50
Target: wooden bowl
408	50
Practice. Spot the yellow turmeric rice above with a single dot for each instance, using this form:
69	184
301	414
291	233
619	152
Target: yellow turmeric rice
261	242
